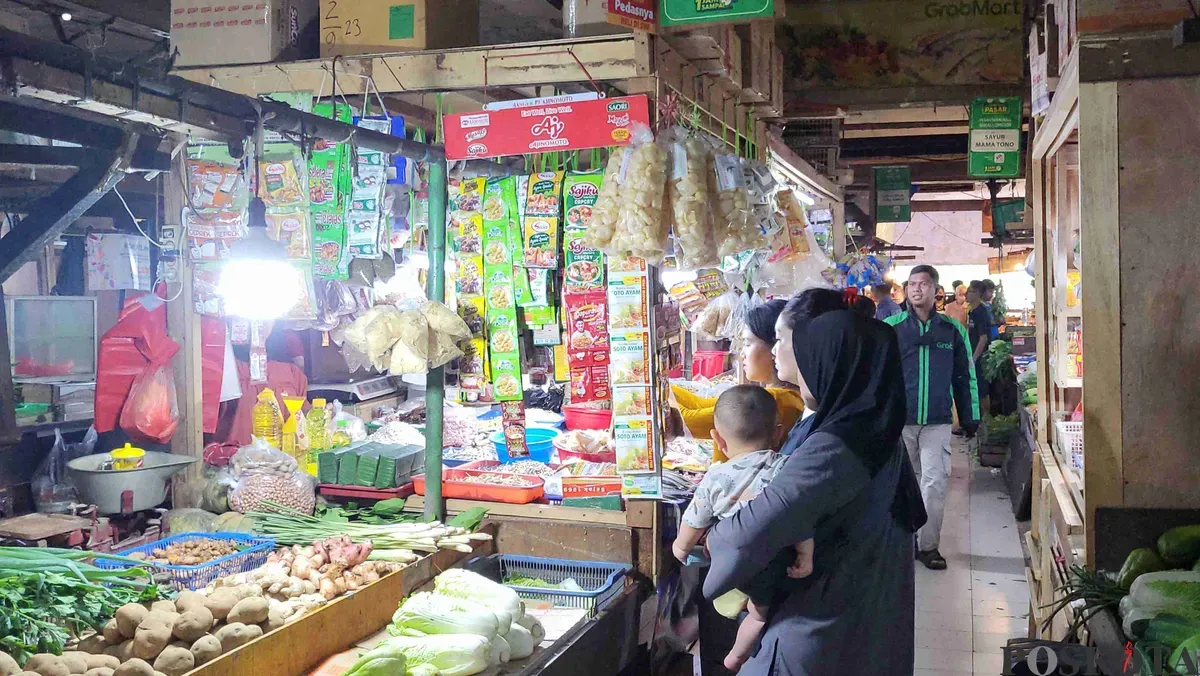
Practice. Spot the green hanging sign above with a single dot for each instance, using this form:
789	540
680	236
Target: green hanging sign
893	192
691	12
994	149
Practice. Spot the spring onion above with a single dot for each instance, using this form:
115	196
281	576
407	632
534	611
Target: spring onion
290	527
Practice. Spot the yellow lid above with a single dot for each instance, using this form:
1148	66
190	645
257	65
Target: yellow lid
266	392
319	402
128	452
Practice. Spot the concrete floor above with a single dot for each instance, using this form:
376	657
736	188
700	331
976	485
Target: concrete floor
966	613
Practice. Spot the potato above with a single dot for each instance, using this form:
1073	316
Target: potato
102	661
99	671
134	667
153	634
245	591
163	617
8	666
187	600
205	649
96	644
249	611
175	661
163	606
237	634
123	651
76	661
128	617
193	624
220	602
47	665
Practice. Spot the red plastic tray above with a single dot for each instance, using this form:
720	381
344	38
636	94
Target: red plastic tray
453	487
365	492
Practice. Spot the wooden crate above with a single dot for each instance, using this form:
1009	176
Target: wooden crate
297	648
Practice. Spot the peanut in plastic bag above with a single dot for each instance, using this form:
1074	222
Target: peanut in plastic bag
641	229
687	193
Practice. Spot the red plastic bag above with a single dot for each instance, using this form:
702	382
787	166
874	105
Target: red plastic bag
138	340
151	412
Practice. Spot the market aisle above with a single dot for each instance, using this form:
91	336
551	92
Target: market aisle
966	614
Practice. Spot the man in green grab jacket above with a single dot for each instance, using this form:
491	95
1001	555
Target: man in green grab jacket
938	374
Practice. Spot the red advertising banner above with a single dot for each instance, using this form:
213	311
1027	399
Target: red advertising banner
573	125
640	15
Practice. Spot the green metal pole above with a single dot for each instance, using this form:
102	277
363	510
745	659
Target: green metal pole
435	381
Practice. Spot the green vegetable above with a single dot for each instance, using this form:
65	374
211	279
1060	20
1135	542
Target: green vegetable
387	662
1173	591
290	527
997	361
450	654
1000	427
568	584
1170	629
464	584
470	519
1181	664
49	595
432	614
1096	591
1138	562
1180	546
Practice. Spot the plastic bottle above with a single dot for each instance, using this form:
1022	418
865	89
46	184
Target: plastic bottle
268	421
341	437
318	430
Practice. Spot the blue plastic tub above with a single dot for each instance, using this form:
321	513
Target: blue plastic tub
600	581
540	441
254	553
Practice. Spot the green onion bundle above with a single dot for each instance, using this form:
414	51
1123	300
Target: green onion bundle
290	527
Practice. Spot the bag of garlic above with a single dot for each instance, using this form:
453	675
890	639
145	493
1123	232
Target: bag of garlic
687	193
265	474
641	229
607	209
736	227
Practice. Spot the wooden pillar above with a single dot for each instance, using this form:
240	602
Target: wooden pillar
183	326
839	229
1043	301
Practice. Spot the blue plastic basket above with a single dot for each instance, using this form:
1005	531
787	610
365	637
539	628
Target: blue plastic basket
253	554
601	582
539	440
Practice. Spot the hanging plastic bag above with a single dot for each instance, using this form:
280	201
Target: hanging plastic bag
608	206
53	492
687	193
736	229
641	228
151	413
736	323
713	318
410	352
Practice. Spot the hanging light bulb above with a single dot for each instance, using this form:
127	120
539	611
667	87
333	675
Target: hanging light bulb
258	281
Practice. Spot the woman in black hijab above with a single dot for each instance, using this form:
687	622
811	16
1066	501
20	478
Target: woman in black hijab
849	486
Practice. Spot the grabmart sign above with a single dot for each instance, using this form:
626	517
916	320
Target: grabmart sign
938	10
691	12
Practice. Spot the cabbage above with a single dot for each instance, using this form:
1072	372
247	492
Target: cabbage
431	614
378	662
520	641
501	653
535	628
450	654
463	584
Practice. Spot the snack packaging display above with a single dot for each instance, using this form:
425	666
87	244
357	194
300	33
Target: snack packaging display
290	227
363	214
590	383
539	220
282	181
630	355
583	265
587	320
691	215
635	445
607	209
331	259
499	210
329	187
628	300
216	186
512	421
641	229
736	228
794	238
211	233
710	322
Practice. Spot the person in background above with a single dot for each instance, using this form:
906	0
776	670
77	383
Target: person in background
284	378
865	307
956	309
758	366
284	345
989	294
939	375
884	305
939	299
979	330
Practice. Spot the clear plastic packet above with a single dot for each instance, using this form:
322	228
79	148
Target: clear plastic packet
355	427
260	457
607	209
374	333
737	316
189	520
214	492
410	352
687	193
711	321
641	228
736	229
53	491
254	491
444	320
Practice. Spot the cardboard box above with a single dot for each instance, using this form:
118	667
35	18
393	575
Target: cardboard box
588	18
219	33
383	26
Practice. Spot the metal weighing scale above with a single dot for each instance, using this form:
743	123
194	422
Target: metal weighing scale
363	397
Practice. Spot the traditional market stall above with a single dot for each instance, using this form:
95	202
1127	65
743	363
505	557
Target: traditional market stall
459	302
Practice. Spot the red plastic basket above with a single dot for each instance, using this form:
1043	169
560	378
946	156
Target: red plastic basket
453	486
709	364
579	417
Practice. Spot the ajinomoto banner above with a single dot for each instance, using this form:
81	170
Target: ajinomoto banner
857	44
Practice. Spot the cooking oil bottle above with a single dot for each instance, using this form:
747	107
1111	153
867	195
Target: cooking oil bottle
268	420
341	437
318	430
